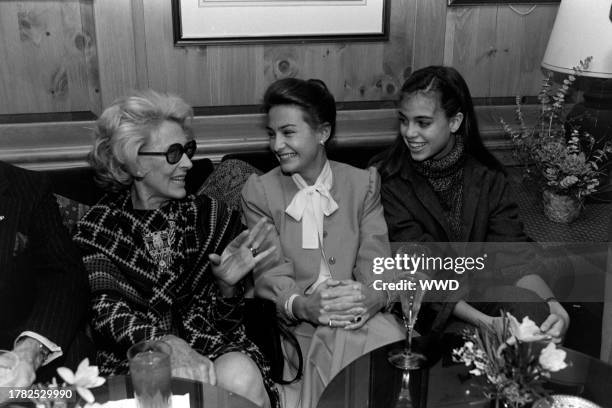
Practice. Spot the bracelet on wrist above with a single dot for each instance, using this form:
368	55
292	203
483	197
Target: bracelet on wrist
289	307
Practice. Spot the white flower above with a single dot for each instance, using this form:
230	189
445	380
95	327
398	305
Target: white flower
526	332
569	181
495	378
476	372
552	358
86	377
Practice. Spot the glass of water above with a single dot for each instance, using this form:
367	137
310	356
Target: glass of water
151	374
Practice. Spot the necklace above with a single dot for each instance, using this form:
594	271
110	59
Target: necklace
159	244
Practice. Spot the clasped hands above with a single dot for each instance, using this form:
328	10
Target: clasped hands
347	304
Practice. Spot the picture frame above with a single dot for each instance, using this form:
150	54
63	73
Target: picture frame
454	3
222	22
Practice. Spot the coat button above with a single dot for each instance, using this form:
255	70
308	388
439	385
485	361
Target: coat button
332	260
324	234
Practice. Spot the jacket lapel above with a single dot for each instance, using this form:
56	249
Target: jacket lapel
289	189
472	182
337	181
425	194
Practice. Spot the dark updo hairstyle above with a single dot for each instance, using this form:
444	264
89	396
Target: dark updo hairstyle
454	97
311	95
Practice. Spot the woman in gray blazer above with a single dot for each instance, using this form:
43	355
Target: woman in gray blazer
331	227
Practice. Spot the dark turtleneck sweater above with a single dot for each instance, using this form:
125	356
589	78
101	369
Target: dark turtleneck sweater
445	176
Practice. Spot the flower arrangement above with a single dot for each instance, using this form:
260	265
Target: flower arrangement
81	381
514	360
567	159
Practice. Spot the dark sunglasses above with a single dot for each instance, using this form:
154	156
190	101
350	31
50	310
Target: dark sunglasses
175	152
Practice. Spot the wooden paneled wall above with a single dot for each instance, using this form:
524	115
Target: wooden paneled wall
79	55
496	47
47	57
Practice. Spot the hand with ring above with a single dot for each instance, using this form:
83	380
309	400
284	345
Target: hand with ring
353	301
355	319
241	255
311	308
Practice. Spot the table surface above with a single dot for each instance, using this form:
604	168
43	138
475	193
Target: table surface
200	395
591	225
447	385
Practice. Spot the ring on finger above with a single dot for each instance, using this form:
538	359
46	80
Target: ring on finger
253	251
330	323
356	319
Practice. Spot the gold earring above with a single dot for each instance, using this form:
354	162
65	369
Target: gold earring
322	143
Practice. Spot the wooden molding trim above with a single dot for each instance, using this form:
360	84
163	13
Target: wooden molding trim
54	145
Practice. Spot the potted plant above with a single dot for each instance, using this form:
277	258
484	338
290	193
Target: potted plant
565	159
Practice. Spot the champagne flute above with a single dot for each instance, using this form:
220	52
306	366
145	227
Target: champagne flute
411	299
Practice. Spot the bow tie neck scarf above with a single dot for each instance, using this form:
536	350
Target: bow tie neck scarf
311	204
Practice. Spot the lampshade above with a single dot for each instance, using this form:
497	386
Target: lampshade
582	28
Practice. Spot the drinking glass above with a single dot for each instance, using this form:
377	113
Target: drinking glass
8	364
151	374
411	299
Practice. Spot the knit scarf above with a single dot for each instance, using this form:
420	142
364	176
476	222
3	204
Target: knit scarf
445	176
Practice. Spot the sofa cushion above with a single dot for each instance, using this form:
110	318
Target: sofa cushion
263	161
226	182
71	211
199	173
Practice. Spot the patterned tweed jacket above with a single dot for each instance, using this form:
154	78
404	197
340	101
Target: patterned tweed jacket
150	276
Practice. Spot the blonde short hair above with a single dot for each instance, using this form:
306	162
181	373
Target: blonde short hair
124	127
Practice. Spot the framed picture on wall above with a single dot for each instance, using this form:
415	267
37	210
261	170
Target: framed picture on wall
206	22
492	2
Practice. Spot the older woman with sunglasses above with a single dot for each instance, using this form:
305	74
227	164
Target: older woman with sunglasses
151	252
